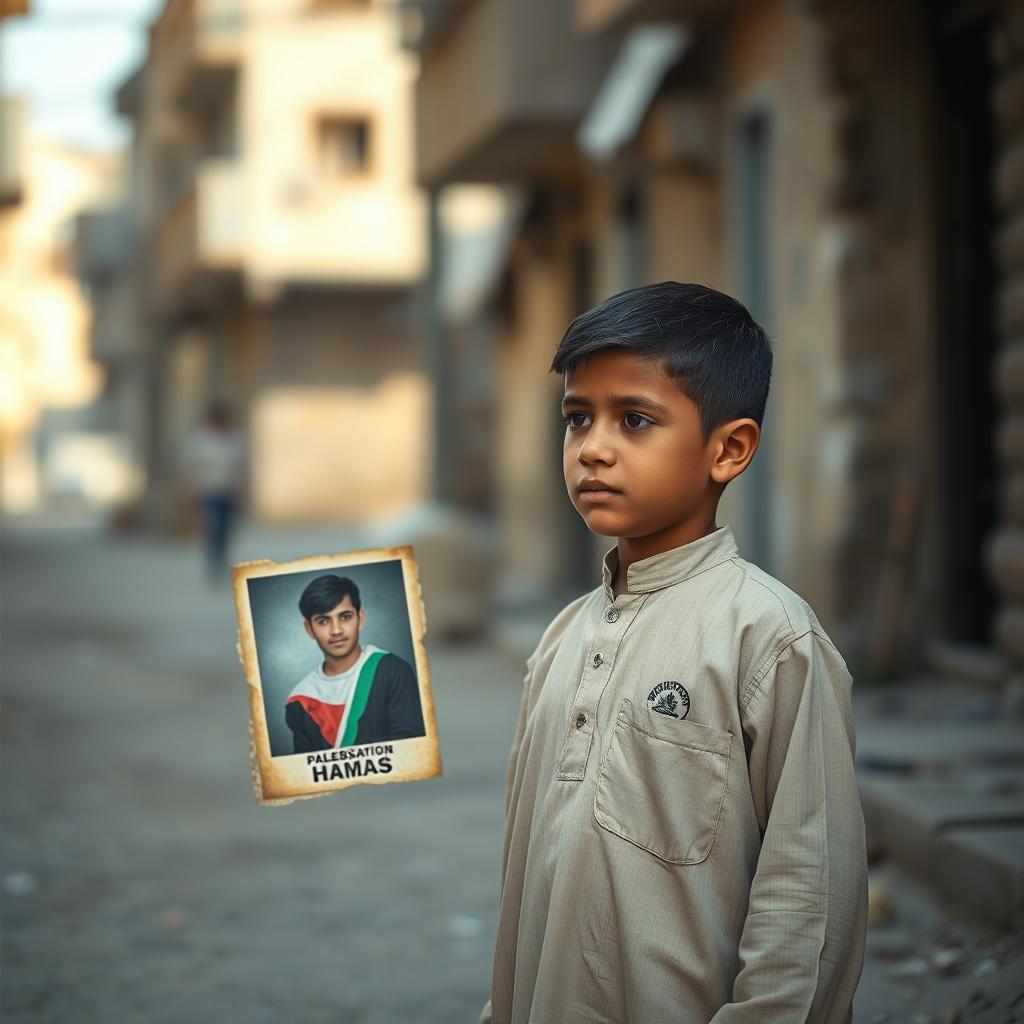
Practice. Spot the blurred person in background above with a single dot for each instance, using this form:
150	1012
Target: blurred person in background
215	481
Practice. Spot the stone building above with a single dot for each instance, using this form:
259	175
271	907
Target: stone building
277	244
853	173
50	456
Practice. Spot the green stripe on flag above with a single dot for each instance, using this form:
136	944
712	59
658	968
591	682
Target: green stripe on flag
360	697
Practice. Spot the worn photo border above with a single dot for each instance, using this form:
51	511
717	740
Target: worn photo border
285	778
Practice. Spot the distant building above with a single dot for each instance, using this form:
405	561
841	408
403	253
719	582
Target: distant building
822	161
48	451
12	118
277	241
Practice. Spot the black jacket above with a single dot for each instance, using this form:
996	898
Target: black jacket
392	710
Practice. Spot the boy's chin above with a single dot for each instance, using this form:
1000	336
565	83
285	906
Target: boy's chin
604	525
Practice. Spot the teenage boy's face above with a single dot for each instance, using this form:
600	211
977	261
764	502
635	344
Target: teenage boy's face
634	460
337	631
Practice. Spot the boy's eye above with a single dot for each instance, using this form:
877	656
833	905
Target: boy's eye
637	421
575	420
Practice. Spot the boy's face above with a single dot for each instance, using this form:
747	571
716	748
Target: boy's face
337	631
630	428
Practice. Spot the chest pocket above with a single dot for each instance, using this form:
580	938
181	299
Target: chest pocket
662	784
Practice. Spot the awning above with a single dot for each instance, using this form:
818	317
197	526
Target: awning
629	86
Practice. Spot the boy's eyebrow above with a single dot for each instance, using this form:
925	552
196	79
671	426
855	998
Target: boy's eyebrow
636	400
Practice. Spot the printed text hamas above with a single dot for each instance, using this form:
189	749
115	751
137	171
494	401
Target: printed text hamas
356	762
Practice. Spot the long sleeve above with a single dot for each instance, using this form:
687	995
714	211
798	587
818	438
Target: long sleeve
802	946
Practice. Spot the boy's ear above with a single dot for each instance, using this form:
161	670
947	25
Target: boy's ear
734	445
309	628
362	617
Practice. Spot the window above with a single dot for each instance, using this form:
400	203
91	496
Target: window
328	5
343	145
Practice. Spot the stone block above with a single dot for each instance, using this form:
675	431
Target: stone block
933	746
1010	440
455	555
1008	103
981	869
1008	628
1006	41
907	816
1004	558
1009	176
1008	373
1010	243
1011	306
1012	498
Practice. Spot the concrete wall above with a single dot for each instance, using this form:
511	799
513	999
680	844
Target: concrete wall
770	67
337	407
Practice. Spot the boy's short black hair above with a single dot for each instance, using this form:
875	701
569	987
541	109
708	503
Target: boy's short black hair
707	342
325	592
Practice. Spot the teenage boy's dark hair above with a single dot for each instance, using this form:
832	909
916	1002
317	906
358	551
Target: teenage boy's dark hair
325	592
707	342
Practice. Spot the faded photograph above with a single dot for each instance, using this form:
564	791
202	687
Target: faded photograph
357	691
334	660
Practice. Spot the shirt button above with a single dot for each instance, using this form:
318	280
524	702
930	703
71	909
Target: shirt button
581	720
612	614
598	660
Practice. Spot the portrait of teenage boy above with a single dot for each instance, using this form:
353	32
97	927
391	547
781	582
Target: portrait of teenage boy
359	693
684	839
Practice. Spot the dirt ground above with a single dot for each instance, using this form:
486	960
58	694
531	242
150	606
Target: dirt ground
142	882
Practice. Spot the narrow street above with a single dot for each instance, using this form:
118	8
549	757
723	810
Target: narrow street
142	882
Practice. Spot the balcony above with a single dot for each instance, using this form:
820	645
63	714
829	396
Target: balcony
200	244
198	44
597	16
502	89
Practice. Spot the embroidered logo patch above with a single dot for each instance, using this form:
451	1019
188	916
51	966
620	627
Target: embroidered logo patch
670	699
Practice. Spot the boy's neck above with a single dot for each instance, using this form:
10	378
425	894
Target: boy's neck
335	666
635	549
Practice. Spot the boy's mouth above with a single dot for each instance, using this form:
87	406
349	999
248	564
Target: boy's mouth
592	489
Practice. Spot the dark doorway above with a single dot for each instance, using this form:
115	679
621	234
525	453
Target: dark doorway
965	219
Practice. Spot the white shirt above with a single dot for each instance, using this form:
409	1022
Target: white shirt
336	689
684	839
215	460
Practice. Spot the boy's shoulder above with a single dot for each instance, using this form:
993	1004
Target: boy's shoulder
555	630
768	615
393	666
767	602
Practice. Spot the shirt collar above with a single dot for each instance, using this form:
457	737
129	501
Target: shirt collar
672	566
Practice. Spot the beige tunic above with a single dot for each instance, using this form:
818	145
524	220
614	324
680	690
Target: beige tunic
684	839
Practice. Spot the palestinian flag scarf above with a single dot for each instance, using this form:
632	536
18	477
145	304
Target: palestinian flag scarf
336	703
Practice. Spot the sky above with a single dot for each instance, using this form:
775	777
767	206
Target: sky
67	58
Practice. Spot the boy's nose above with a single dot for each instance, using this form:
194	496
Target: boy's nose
596	449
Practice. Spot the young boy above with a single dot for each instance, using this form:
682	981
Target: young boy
359	694
684	840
